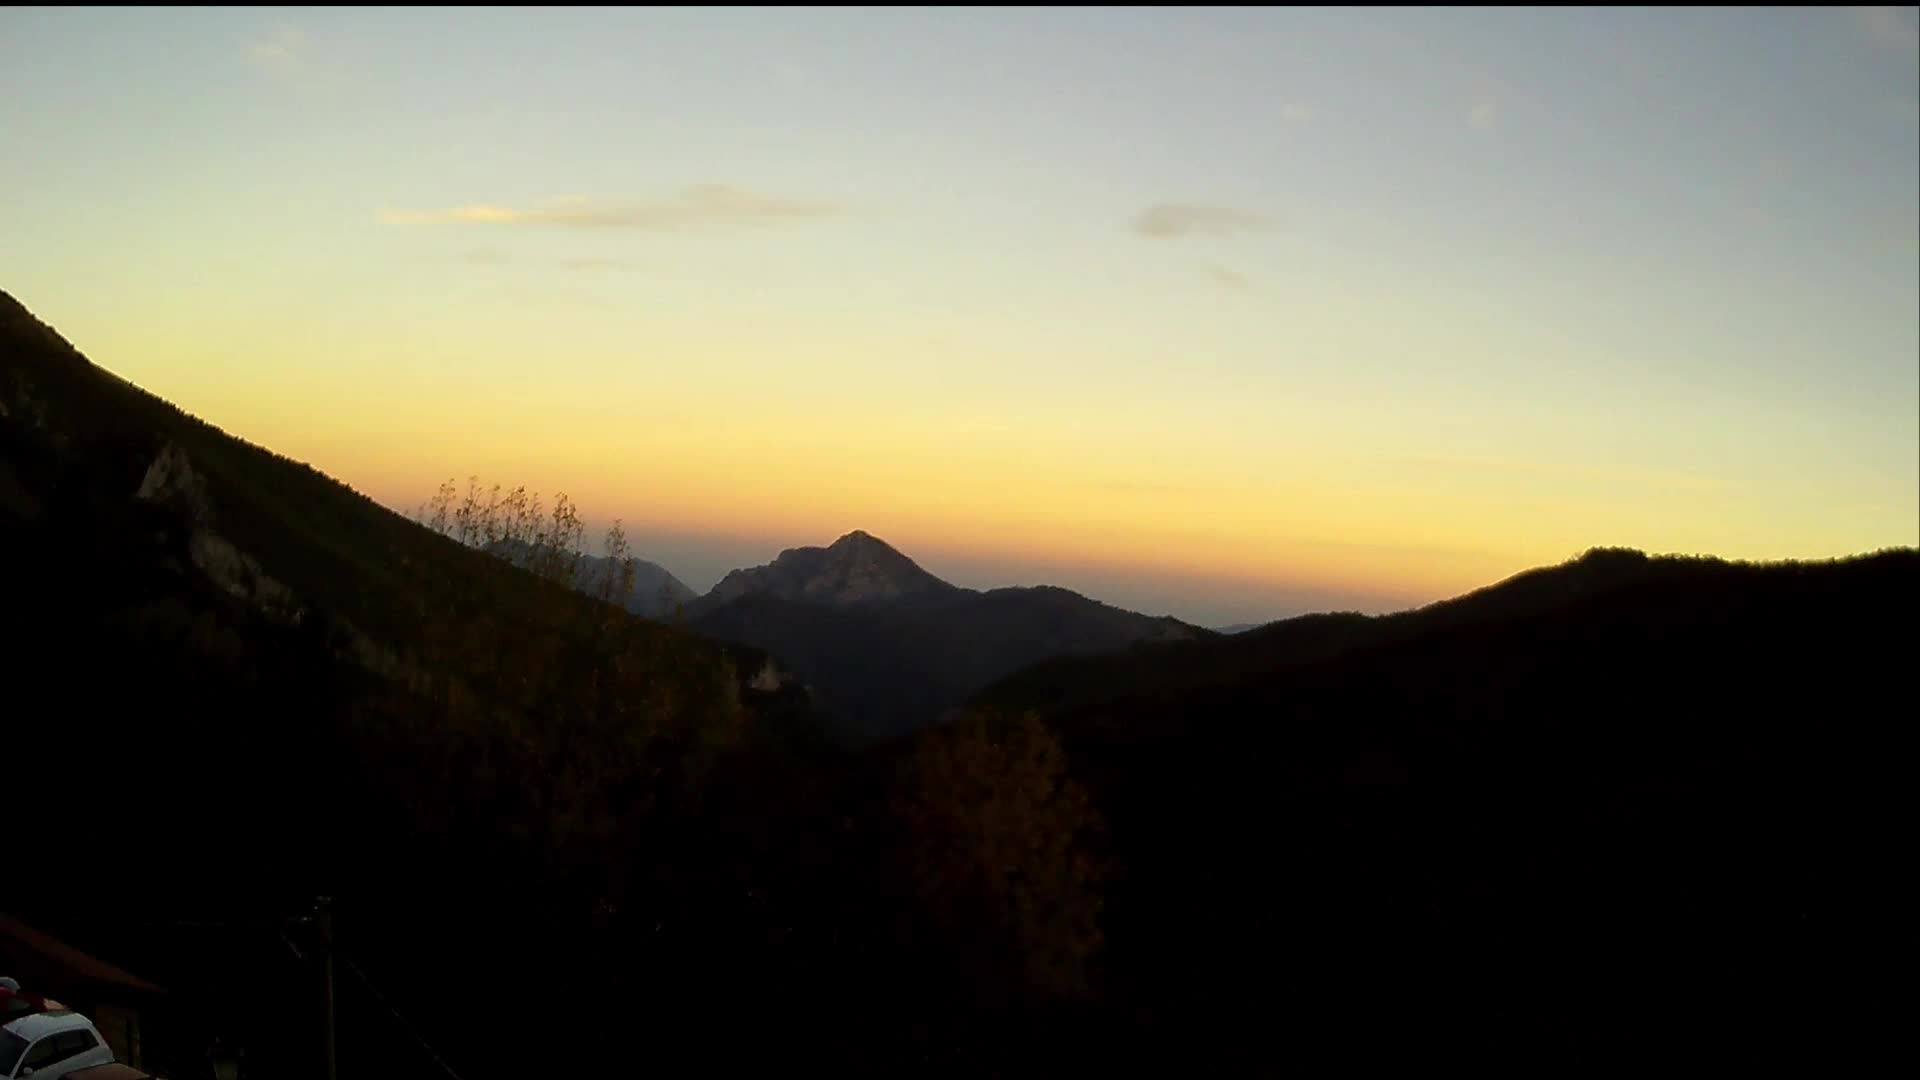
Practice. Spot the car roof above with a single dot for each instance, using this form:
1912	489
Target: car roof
34	1026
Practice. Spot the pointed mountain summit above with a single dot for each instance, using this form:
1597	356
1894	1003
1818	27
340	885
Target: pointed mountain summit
888	647
856	570
21	329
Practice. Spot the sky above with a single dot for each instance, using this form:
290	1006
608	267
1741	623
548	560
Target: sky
1227	314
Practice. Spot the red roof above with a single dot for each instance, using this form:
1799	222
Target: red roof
17	1003
22	943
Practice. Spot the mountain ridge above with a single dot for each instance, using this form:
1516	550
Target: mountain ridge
890	647
653	593
1647	761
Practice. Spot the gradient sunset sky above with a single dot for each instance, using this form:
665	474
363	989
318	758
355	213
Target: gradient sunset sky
1221	313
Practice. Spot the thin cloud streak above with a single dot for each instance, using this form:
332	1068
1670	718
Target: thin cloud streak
594	264
280	53
706	204
1672	480
1168	220
1228	278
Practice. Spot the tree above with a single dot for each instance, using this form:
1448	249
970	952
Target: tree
1000	849
615	584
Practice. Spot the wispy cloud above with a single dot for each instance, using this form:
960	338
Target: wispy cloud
705	204
1606	474
522	294
1890	27
1166	220
1484	115
283	53
1227	277
493	256
584	265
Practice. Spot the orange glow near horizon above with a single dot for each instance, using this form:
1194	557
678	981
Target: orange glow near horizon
1352	535
931	504
1243	509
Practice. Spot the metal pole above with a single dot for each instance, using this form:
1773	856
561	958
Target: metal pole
326	954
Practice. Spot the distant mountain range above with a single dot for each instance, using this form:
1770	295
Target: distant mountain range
883	646
655	593
886	646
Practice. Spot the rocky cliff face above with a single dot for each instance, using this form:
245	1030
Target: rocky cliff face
171	482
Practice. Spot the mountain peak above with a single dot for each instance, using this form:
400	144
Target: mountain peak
861	540
858	568
23	327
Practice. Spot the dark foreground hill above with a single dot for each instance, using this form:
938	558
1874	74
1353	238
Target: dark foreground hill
887	647
233	684
1611	811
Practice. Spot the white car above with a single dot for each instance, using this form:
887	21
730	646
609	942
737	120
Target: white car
50	1045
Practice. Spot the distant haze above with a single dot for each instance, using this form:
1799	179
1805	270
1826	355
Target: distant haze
700	561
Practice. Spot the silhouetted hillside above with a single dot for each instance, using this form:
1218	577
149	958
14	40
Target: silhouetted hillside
239	685
888	647
1616	809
